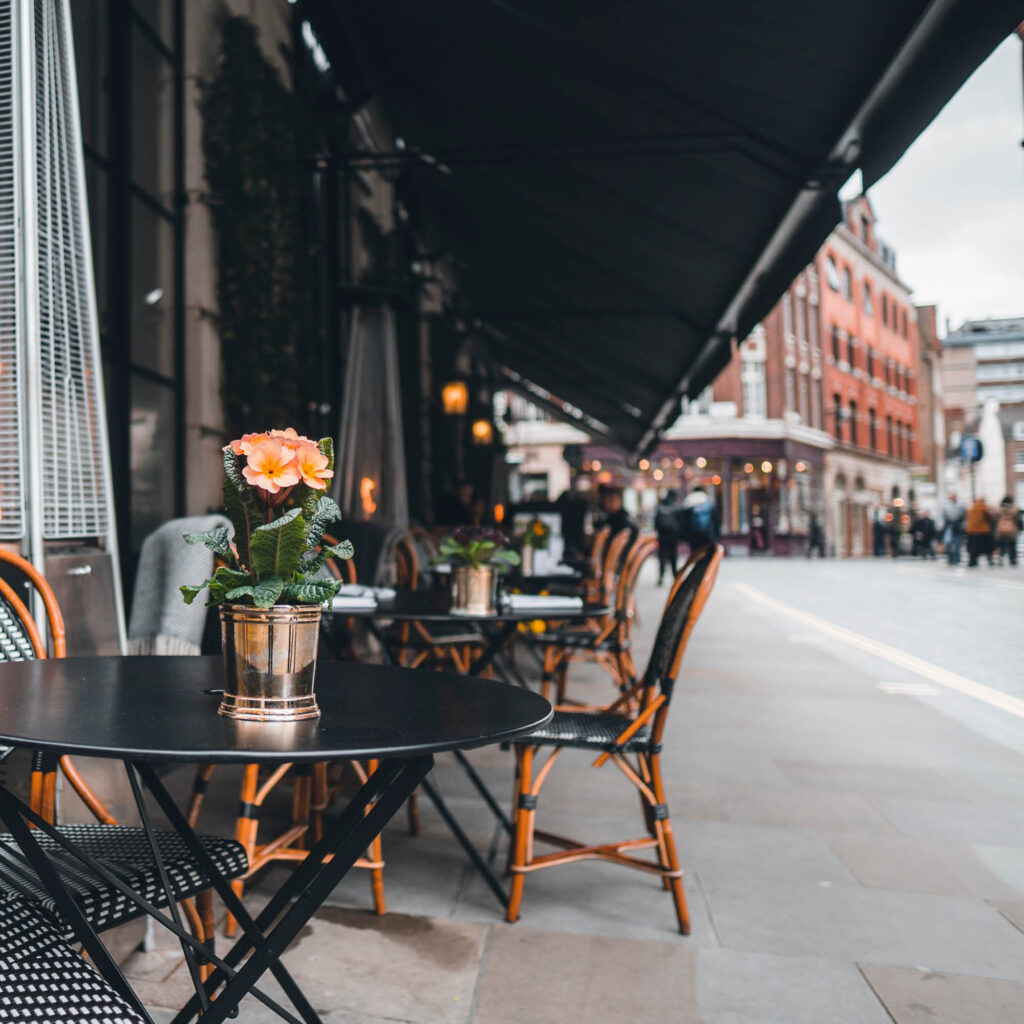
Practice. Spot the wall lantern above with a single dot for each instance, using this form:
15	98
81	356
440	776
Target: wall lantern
455	397
482	431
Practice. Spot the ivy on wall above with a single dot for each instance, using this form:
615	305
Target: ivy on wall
254	133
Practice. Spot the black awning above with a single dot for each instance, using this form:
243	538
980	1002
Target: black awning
627	185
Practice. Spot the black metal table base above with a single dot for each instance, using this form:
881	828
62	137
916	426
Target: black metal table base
264	938
490	655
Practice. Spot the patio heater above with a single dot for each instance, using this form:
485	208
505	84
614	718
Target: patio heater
56	501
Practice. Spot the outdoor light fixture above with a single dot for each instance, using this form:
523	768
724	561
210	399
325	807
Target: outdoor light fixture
801	467
644	464
701	462
499	513
455	397
596	465
678	463
748	468
658	475
766	466
716	480
482	431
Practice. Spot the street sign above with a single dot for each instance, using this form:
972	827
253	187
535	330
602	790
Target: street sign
971	449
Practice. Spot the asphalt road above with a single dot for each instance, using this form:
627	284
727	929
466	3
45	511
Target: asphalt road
967	621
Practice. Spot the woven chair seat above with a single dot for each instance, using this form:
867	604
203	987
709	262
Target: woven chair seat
581	640
588	730
44	981
123	851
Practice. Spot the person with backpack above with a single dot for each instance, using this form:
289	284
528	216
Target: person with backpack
668	525
1008	524
700	516
979	532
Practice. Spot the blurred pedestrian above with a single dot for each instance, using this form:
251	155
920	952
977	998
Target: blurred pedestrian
924	535
455	507
815	537
878	533
701	524
954	516
1008	525
668	525
613	511
979	532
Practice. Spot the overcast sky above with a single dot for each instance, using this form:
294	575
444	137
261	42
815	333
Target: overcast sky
953	207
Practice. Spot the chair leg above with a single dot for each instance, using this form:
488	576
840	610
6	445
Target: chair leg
412	813
522	839
246	827
376	852
667	854
195	802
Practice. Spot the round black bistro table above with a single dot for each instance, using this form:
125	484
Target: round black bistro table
145	709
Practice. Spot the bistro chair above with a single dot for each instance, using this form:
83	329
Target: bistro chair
607	639
595	564
123	850
628	732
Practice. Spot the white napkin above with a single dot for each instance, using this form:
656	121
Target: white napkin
562	570
529	602
353	602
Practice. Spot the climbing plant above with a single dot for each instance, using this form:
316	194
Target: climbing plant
255	132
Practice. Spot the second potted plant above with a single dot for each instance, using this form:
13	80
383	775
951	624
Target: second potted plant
477	554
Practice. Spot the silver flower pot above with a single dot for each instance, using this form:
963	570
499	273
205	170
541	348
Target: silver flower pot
269	662
474	590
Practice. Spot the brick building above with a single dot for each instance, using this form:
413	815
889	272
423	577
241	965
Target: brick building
870	338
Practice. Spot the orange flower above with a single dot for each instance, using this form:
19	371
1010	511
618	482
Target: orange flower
311	464
271	466
247	442
290	438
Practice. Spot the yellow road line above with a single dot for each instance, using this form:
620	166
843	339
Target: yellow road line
925	669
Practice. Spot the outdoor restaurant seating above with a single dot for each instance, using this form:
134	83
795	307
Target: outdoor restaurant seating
630	733
608	640
122	850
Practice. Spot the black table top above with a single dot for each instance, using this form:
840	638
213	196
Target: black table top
436	606
159	708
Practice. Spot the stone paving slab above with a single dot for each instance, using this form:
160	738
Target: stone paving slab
924	997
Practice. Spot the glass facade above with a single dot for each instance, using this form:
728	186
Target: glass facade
129	80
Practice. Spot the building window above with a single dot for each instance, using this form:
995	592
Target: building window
802	397
831	273
872	430
903	321
869	308
699	406
754	399
853	422
816	404
837	416
885	309
787	316
1018	431
865	226
129	71
1018	462
871	363
835	343
890	437
847	284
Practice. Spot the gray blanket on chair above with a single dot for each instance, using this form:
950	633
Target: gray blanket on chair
161	622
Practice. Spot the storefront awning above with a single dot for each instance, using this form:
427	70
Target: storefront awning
628	186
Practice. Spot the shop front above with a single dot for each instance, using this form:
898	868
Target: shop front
766	490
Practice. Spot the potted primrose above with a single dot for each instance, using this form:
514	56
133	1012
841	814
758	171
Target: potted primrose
267	584
477	554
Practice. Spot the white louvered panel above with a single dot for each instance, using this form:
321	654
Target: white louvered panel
12	489
71	425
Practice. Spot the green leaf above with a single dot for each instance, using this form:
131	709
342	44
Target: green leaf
343	549
311	591
277	547
245	516
231	470
325	512
314	561
326	446
264	594
216	540
190	593
509	558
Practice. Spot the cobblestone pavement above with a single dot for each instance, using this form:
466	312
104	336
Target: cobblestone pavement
845	770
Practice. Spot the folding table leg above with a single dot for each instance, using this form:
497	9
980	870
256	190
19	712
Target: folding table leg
310	884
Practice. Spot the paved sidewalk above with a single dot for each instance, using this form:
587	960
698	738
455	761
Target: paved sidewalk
853	847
